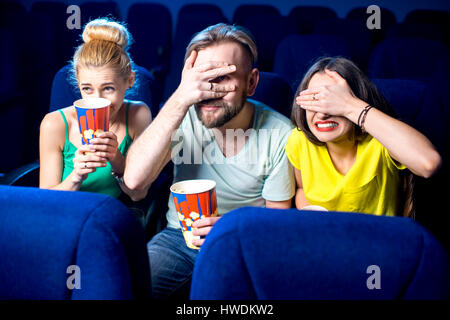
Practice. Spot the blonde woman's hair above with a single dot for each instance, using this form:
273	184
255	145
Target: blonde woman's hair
222	32
106	43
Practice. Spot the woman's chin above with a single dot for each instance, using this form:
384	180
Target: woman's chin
327	136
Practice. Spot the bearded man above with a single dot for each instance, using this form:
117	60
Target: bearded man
211	130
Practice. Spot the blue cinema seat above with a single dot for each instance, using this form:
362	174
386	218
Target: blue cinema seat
296	53
418	104
150	24
192	18
244	11
439	18
387	20
306	17
258	253
417	59
268	29
274	91
66	38
43	232
358	38
91	10
416	30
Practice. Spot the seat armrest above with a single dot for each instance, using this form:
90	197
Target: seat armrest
26	175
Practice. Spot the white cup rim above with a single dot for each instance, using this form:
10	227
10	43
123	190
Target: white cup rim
92	103
209	185
314	208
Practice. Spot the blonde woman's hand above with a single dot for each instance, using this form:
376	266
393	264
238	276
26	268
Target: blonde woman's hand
85	162
105	145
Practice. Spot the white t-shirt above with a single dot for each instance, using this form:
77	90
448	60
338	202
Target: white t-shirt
259	172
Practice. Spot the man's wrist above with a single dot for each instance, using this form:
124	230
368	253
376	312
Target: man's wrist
179	102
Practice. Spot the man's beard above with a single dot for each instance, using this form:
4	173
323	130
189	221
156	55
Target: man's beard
229	112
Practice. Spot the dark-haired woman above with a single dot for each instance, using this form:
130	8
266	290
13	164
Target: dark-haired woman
346	150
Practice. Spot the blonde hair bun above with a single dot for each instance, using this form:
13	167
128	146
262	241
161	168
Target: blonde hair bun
103	29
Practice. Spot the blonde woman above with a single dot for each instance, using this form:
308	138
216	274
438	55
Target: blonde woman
103	68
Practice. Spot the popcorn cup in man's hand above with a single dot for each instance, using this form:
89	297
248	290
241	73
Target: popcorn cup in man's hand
194	199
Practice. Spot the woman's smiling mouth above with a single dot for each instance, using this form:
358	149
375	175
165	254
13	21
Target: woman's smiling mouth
324	126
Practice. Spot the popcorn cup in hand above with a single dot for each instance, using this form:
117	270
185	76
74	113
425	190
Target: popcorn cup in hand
194	199
93	117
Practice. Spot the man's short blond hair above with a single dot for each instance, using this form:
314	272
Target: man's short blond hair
222	32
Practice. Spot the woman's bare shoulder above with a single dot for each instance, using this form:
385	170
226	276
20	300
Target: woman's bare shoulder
53	122
139	108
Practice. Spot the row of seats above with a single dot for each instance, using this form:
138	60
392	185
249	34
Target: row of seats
151	25
97	250
28	76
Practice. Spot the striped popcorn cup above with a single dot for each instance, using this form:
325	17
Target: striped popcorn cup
93	117
194	200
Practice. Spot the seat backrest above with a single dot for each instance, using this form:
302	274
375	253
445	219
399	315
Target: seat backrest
91	10
244	11
259	253
275	92
439	18
407	58
66	38
417	104
64	93
387	20
358	38
268	29
150	24
413	58
44	232
296	53
416	30
306	17
192	18
360	14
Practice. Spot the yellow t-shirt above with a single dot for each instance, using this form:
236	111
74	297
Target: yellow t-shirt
370	186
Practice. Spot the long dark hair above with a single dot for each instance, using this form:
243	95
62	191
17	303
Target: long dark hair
365	90
360	85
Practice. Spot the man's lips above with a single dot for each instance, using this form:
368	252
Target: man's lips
324	126
209	107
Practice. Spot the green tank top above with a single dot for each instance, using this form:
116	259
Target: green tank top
100	181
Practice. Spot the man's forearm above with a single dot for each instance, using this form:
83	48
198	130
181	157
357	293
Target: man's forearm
145	156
